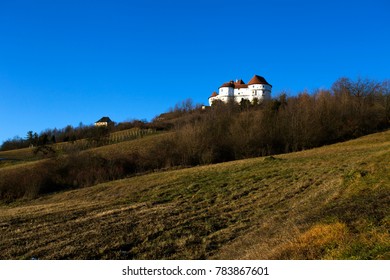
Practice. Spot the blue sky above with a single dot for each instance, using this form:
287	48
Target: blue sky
65	62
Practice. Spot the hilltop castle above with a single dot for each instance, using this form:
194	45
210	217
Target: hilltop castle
257	88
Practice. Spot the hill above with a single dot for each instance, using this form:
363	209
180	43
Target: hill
325	203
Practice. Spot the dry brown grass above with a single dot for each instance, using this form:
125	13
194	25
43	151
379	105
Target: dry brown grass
331	202
315	242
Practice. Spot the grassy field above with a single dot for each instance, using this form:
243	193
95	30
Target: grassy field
326	203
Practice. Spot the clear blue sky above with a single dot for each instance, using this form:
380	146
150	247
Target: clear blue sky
66	61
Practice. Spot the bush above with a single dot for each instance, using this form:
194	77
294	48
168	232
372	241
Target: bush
26	182
74	171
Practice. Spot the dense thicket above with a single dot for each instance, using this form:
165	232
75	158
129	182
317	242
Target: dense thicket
221	133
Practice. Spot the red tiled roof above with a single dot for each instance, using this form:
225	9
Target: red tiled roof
214	94
258	80
240	86
240	83
228	84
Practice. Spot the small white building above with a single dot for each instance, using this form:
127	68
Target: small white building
257	88
105	121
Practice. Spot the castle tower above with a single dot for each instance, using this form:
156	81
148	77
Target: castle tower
259	88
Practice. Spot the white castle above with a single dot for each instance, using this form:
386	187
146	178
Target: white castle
257	88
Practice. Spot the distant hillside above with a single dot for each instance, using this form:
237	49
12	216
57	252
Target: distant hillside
325	203
189	135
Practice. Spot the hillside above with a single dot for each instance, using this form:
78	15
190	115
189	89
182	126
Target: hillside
325	203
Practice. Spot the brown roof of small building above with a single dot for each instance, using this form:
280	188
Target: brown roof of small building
104	119
258	80
214	94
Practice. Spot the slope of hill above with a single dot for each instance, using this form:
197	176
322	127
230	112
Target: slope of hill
17	156
326	203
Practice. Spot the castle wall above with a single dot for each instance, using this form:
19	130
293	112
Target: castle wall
226	91
242	91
